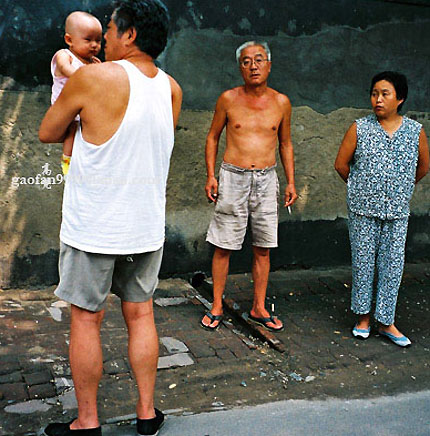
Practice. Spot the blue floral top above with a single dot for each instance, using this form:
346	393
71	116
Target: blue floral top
382	175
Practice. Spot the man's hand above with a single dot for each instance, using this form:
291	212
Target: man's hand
211	189
290	195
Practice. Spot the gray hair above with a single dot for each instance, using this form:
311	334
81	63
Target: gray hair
250	44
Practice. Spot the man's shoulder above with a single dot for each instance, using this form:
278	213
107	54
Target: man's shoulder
103	68
176	88
101	75
281	99
231	93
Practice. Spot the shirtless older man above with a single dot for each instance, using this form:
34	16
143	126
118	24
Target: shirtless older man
257	118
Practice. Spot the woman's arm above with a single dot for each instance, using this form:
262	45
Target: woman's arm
346	152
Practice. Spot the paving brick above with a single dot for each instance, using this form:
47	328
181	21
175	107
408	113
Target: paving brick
46	390
239	349
38	378
28	407
14	391
225	354
218	344
173	345
68	400
200	349
208	361
9	365
29	366
13	377
175	360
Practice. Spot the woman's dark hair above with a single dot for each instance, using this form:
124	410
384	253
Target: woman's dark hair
399	82
150	18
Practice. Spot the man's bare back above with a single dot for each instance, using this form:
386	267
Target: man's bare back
99	93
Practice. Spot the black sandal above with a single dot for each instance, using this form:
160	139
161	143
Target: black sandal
264	321
213	318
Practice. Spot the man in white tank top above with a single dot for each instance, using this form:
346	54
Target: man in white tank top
112	232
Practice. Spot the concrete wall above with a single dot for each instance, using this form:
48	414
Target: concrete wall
324	55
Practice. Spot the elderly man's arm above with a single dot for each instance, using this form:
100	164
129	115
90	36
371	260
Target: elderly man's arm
218	123
64	110
423	157
286	151
346	152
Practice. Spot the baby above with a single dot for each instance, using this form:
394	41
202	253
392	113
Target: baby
83	35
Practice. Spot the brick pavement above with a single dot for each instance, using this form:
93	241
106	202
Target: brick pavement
203	371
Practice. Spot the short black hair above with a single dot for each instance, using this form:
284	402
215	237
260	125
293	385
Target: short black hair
150	18
399	82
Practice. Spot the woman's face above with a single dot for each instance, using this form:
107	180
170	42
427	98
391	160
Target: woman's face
384	99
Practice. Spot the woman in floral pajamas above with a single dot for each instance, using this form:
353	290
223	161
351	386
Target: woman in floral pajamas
381	158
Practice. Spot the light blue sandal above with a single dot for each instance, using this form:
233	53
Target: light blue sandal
360	333
401	341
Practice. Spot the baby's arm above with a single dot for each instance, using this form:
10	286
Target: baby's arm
64	64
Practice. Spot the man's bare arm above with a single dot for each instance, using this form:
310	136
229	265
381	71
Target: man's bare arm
176	100
346	152
64	110
212	140
286	151
423	157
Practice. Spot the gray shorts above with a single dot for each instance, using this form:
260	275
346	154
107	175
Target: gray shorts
87	278
245	194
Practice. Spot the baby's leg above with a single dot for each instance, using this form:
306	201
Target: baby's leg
68	147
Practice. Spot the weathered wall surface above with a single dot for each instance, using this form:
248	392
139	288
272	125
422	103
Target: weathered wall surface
314	234
324	55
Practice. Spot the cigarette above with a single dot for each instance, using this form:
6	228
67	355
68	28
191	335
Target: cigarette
289	209
273	307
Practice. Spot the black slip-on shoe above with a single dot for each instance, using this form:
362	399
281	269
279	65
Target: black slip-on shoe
150	427
63	429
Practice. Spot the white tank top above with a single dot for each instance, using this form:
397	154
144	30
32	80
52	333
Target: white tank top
58	82
115	193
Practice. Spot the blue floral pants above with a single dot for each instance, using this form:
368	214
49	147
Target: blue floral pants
380	244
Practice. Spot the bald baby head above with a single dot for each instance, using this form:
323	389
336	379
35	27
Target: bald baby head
79	20
83	35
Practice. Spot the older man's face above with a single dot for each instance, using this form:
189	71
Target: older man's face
113	47
254	65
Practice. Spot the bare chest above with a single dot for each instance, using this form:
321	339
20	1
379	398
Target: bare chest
263	118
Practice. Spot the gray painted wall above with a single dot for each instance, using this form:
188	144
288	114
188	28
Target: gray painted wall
324	54
324	51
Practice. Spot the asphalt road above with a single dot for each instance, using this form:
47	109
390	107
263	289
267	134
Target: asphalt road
402	415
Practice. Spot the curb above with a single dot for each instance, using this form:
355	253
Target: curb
235	312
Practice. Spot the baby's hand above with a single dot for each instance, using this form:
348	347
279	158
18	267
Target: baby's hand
95	60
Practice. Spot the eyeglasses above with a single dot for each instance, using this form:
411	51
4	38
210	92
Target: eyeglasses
258	60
